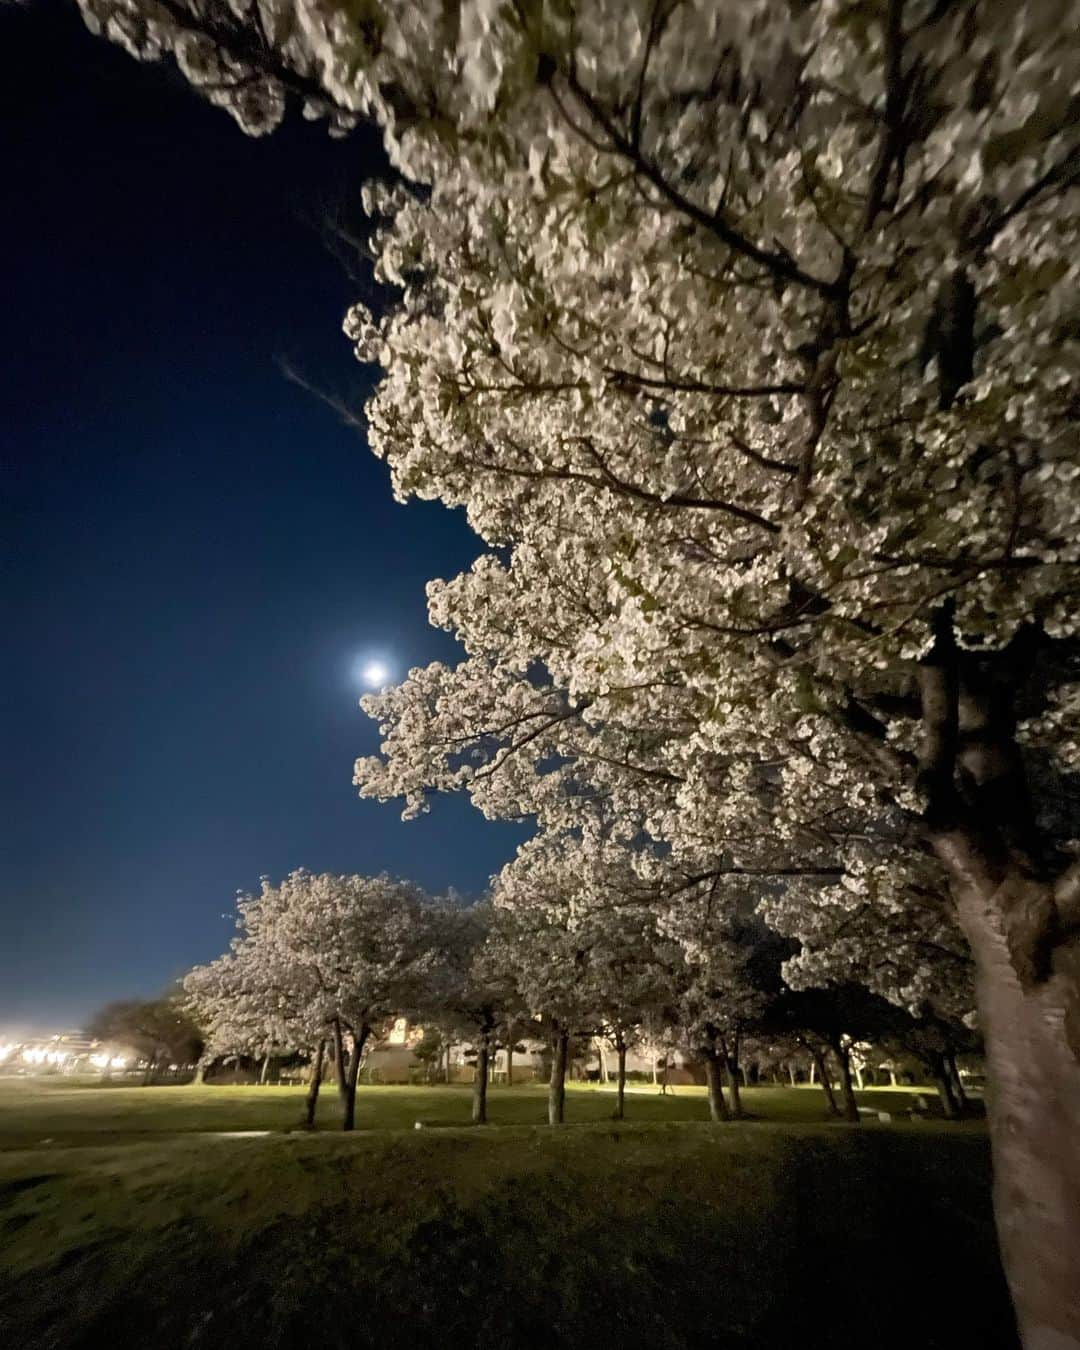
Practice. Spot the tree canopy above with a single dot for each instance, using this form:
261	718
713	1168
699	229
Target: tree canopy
746	335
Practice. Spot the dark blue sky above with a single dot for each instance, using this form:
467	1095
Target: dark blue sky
196	553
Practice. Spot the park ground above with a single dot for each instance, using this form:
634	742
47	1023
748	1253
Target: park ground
156	1217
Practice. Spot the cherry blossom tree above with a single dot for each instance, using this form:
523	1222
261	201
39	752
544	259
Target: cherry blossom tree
320	956
890	929
471	994
887	924
746	336
547	959
728	980
625	971
771	341
252	1005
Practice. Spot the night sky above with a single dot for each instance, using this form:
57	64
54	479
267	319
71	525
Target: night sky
198	555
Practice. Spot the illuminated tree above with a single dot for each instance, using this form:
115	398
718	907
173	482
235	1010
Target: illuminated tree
547	961
321	956
471	994
608	959
747	335
252	1004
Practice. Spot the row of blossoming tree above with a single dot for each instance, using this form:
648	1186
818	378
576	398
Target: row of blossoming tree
747	336
571	949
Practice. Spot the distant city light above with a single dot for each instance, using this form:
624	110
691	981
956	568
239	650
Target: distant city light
103	1061
48	1054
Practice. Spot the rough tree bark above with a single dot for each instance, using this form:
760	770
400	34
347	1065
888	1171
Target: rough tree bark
1019	907
339	1057
557	1083
352	1074
935	1064
730	1055
847	1088
1033	1106
953	1070
819	1066
718	1107
314	1081
480	1082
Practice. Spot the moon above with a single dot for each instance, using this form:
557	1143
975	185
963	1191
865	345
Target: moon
375	674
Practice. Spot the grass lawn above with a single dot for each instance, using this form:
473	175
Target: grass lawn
64	1111
666	1232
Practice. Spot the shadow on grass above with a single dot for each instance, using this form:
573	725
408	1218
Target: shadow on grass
663	1236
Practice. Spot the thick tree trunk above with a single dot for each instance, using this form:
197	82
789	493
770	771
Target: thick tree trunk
793	1076
264	1075
339	1058
733	1088
314	1081
509	1066
557	1082
1024	935
151	1068
351	1076
200	1072
945	1096
822	1070
480	1084
731	1064
935	1064
718	1108
446	1071
1032	1031
847	1087
959	1094
620	1100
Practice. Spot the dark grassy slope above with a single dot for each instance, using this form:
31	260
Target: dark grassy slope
654	1235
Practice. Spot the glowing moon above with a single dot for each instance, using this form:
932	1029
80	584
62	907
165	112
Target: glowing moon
375	674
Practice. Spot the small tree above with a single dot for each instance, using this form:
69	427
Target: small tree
158	1030
547	963
478	993
321	956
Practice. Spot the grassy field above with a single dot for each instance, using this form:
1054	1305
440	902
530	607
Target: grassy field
157	1229
69	1112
